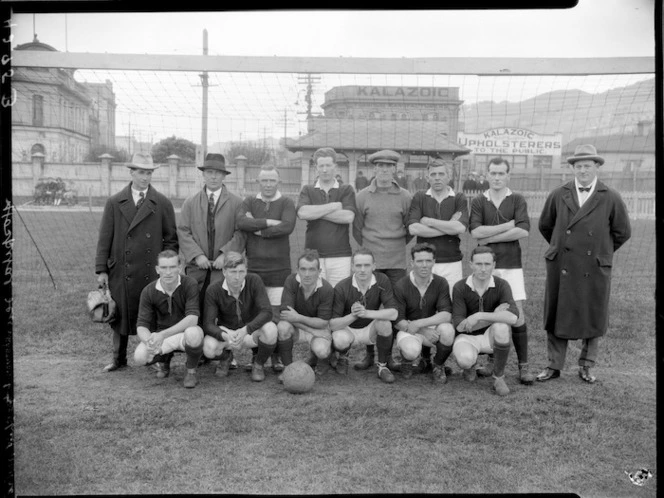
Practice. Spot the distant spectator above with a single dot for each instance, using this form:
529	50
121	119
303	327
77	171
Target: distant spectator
420	183
361	181
482	183
470	184
401	180
339	179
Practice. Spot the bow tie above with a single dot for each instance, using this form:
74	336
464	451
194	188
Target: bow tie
584	189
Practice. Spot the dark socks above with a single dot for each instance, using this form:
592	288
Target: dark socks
443	352
500	353
384	346
264	352
520	340
285	348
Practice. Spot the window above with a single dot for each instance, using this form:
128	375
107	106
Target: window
542	162
37	110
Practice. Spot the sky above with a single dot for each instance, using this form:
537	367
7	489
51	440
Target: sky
594	28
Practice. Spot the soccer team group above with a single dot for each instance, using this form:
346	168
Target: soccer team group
221	280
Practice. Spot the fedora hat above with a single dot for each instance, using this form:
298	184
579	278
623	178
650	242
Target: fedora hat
142	160
585	151
216	162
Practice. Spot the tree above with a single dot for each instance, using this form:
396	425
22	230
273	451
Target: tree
181	147
257	154
119	155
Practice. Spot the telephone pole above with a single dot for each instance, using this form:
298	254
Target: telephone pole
204	84
309	80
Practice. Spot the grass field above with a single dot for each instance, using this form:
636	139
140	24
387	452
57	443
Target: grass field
80	431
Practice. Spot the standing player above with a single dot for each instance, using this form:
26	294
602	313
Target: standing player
438	216
584	222
306	309
425	313
138	223
357	314
268	222
499	219
168	319
238	315
380	226
483	310
329	209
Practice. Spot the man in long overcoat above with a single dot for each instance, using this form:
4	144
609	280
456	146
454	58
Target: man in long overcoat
138	223
584	222
208	226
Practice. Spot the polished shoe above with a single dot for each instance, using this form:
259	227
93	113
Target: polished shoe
423	366
547	374
112	367
586	376
277	365
190	380
342	364
407	370
486	370
525	377
384	374
163	369
470	374
257	373
438	374
224	365
500	387
366	362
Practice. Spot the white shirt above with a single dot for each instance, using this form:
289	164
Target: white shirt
136	194
583	196
215	194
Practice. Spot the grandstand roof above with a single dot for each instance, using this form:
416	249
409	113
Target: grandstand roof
614	143
372	135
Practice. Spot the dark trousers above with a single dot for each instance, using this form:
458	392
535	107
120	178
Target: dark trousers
394	274
557	350
120	348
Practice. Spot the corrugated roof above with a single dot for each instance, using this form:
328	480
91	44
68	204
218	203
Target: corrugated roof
372	135
614	143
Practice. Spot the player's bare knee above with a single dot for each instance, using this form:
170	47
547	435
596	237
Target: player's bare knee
284	330
321	347
410	347
446	334
465	355
342	340
502	333
141	354
268	333
210	346
382	327
193	336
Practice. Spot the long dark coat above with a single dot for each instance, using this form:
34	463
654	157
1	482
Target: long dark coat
579	259
129	241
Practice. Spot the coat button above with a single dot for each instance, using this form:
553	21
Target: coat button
128	236
586	274
147	235
127	252
590	233
564	272
589	253
148	251
126	278
568	232
147	278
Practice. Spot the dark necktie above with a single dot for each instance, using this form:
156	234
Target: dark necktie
141	198
211	229
584	189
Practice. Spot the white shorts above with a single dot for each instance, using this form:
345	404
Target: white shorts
274	294
453	272
334	270
426	336
302	336
514	277
364	336
483	344
168	345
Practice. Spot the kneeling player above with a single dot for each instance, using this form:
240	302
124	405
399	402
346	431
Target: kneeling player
238	315
306	309
425	313
170	306
483	313
357	314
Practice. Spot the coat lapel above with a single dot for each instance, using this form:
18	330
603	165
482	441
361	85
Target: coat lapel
126	204
569	198
147	208
590	204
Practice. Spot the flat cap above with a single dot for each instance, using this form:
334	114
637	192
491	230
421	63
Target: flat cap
384	156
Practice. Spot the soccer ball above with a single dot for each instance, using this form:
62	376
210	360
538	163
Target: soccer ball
298	377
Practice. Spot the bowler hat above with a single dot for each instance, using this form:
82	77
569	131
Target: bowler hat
585	151
216	162
142	160
384	156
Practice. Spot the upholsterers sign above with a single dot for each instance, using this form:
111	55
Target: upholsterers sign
512	141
